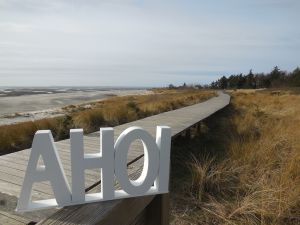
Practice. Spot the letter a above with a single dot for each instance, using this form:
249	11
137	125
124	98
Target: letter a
43	146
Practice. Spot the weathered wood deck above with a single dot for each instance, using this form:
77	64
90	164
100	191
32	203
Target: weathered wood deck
13	166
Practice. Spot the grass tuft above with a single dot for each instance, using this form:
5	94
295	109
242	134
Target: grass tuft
245	167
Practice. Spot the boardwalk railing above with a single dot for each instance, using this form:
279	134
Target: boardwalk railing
142	210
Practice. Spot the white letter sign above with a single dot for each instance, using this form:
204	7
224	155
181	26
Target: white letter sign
111	159
43	146
151	158
81	162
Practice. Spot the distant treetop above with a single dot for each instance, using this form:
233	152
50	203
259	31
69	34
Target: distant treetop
276	78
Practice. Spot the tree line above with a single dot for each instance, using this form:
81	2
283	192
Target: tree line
276	78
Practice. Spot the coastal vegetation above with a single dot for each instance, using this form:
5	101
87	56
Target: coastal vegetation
275	79
243	167
92	116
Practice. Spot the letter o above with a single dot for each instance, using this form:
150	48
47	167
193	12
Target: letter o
151	161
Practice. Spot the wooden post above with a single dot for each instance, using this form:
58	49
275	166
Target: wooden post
198	128
158	211
183	134
188	133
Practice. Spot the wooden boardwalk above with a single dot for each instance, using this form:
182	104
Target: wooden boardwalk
13	166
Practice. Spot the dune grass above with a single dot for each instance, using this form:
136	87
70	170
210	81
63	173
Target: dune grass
244	165
110	112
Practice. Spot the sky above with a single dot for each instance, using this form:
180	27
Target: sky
144	42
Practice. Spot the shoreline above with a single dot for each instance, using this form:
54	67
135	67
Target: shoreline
16	109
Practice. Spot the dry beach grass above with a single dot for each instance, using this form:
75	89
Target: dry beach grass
244	165
110	112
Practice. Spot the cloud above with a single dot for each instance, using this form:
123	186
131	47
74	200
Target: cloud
33	6
138	43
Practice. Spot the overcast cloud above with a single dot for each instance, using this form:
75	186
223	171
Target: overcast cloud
143	43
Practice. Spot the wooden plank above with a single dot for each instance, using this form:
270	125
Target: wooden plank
19	162
18	170
117	212
158	211
20	166
14	190
41	187
64	152
12	219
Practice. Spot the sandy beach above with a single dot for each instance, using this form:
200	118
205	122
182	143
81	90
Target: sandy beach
32	106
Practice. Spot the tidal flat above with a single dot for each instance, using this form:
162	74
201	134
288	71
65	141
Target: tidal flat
26	104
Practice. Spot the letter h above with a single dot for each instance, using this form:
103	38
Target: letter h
81	161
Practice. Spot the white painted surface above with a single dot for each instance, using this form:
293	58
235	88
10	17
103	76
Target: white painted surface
111	159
